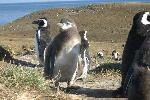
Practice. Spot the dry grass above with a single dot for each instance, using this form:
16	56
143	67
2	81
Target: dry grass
21	76
17	45
23	82
104	23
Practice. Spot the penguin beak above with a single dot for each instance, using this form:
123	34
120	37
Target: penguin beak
35	22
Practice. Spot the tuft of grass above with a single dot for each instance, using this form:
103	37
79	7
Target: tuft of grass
21	77
26	81
107	68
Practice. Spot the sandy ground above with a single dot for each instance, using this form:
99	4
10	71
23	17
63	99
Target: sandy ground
94	87
103	25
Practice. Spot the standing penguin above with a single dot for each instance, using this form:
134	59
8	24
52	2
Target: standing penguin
84	59
42	38
115	55
62	54
139	83
135	58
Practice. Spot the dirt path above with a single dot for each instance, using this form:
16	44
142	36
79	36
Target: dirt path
95	88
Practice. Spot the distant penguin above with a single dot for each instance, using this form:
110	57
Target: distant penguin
136	60
62	54
115	55
42	38
85	58
5	55
100	54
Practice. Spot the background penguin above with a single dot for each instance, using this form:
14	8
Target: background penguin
100	54
85	58
42	38
115	55
61	60
5	55
138	33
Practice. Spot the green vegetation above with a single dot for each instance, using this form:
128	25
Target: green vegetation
108	68
21	76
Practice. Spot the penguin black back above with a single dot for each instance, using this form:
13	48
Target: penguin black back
139	87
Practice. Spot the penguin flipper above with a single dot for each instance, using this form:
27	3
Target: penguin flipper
49	62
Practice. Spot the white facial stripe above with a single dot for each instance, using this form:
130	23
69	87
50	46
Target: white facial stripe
65	26
144	19
85	35
45	22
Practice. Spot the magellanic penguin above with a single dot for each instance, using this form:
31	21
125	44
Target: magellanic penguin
139	80
84	58
115	55
42	38
62	54
136	59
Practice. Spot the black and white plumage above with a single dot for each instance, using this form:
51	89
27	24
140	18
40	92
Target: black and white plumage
100	54
136	60
115	55
42	38
139	83
62	54
84	59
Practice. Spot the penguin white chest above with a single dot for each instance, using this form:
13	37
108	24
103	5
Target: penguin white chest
69	52
67	60
72	46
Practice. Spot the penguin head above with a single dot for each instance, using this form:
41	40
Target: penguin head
66	24
41	22
141	23
84	40
83	35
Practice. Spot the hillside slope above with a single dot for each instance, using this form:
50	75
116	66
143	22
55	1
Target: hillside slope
103	22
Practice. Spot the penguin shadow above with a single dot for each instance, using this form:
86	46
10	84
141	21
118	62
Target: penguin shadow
96	92
24	63
115	66
6	56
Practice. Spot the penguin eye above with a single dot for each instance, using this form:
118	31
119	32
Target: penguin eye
148	18
68	23
41	22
